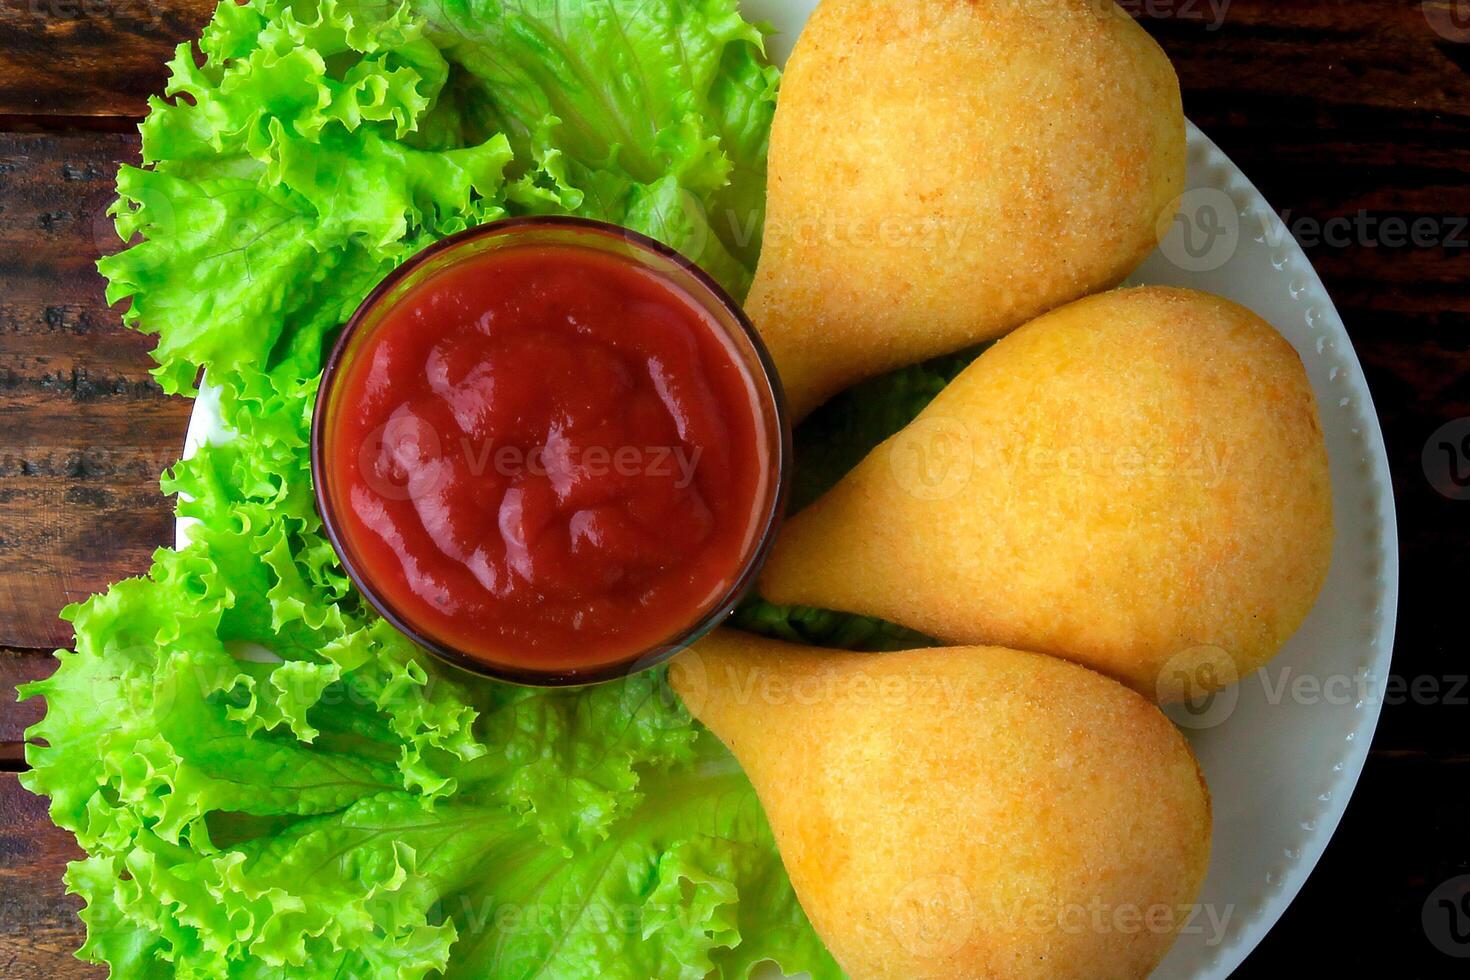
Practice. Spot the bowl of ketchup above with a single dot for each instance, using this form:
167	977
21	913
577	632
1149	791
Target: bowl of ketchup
551	451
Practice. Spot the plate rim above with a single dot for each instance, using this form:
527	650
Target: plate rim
1379	652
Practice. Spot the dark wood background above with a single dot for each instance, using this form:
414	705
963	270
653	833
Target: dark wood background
1335	108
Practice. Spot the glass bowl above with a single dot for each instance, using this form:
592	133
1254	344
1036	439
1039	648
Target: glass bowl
651	257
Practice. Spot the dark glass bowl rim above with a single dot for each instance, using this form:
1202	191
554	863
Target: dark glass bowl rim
644	660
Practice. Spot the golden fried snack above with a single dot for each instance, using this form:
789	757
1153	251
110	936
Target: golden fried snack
942	171
971	813
1137	482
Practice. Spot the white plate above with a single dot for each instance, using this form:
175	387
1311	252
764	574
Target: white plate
1282	753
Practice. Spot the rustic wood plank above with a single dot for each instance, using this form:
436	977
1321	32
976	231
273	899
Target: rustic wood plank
1321	53
105	57
19	667
87	431
90	57
1403	834
39	928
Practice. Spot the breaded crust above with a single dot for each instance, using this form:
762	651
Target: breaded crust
942	171
1137	482
972	813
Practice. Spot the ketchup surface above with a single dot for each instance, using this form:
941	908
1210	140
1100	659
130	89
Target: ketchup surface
546	457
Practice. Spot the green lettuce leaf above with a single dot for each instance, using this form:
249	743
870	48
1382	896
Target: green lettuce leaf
674	148
683	887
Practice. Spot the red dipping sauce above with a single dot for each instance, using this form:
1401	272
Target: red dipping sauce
545	455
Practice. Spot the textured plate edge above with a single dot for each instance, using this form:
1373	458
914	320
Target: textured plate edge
1379	481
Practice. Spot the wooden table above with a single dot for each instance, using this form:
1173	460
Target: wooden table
1356	109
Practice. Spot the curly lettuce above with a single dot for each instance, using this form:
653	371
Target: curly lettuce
267	779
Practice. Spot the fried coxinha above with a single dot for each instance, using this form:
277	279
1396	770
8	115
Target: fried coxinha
1137	482
963	813
942	171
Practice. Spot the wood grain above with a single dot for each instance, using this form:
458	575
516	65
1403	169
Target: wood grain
19	667
39	928
90	57
86	431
